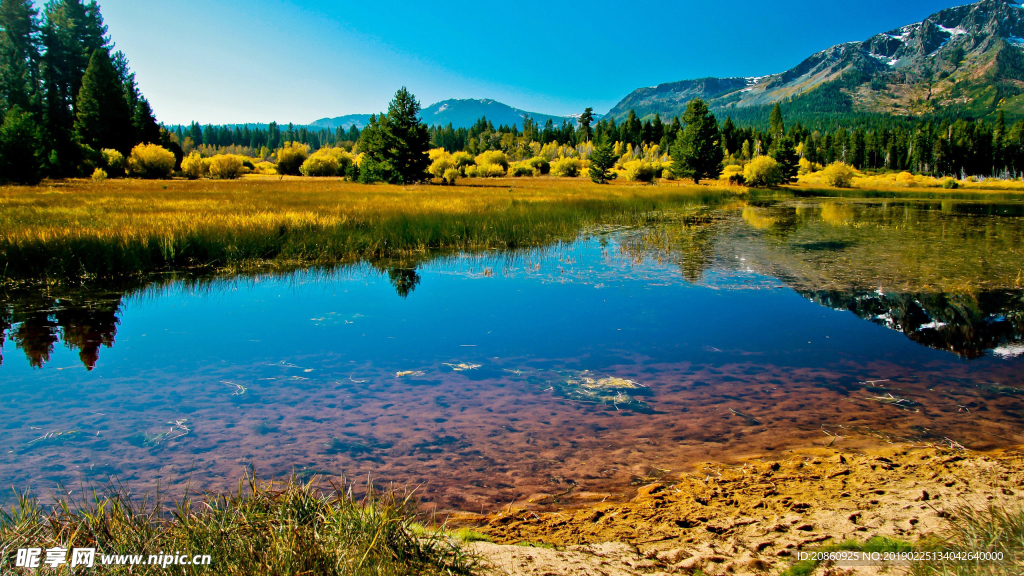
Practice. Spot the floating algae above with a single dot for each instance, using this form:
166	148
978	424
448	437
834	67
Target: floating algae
902	403
404	373
51	438
177	429
462	366
614	391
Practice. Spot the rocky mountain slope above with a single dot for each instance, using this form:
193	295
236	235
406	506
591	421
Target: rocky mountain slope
965	60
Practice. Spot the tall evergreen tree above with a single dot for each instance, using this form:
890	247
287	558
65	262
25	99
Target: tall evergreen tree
785	154
586	119
103	119
697	152
778	127
397	143
19	55
72	31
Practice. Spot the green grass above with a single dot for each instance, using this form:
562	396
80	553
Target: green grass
287	528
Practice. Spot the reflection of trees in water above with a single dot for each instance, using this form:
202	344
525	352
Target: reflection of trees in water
689	243
404	280
966	324
37	322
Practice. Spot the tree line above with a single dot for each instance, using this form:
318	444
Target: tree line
65	94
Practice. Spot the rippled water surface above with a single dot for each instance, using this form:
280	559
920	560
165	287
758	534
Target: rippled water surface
554	374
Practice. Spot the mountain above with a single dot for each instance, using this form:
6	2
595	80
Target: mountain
359	120
460	113
964	60
465	113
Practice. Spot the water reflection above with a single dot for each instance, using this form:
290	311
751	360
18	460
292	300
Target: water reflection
948	275
969	325
37	320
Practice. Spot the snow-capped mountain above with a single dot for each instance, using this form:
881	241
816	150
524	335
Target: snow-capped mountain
968	58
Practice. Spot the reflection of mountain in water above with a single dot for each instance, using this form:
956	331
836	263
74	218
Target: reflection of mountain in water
967	325
951	273
36	322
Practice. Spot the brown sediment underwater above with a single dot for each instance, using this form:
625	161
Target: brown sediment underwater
479	441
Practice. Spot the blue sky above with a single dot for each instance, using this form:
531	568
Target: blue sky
221	61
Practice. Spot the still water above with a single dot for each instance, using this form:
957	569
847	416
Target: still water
556	375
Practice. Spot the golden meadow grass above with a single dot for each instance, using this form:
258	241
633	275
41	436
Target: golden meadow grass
82	229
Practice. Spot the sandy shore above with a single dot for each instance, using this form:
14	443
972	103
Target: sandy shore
753	517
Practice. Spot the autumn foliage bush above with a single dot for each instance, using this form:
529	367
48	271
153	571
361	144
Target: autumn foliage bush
151	161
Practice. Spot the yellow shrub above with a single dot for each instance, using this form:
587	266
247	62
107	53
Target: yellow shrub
522	169
291	157
99	175
451	175
440	165
462	159
490	171
666	171
838	175
266	168
540	164
326	162
226	166
906	179
151	161
493	157
114	161
729	170
192	166
436	153
762	171
567	167
639	171
805	167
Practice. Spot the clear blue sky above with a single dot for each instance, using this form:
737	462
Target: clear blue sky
223	61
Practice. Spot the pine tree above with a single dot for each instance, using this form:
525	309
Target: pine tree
601	161
586	119
19	55
103	119
785	154
71	33
397	143
697	152
657	129
778	127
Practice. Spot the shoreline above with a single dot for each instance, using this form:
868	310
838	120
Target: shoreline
754	517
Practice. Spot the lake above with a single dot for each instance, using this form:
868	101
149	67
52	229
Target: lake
556	375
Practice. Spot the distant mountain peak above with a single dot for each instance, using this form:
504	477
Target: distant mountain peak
909	70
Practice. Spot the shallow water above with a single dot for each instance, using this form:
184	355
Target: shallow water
559	374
